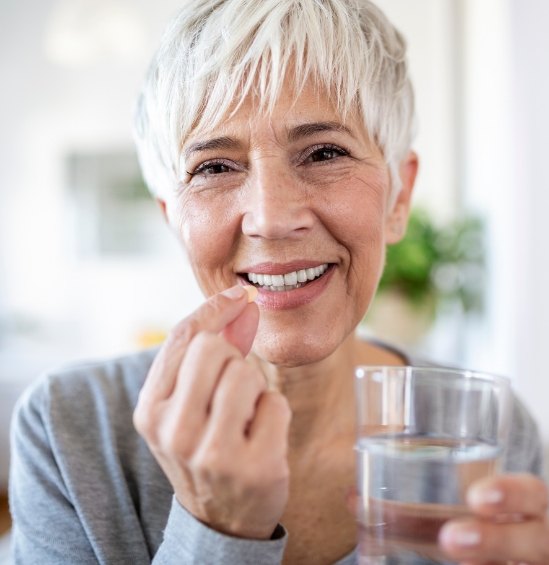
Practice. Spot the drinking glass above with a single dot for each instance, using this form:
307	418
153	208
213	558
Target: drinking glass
424	435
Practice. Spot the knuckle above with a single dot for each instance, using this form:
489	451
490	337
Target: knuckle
186	450
203	342
280	403
257	377
169	443
235	380
236	366
186	329
238	373
146	426
179	447
280	470
183	332
163	434
277	472
264	475
213	308
142	418
140	422
218	303
251	478
210	463
205	339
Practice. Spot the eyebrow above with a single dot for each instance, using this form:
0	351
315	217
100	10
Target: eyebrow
307	130
223	142
293	134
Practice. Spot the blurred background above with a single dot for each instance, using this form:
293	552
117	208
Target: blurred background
88	268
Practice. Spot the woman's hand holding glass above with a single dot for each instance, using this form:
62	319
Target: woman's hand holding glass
509	522
219	435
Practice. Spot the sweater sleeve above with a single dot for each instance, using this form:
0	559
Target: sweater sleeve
46	527
58	519
189	541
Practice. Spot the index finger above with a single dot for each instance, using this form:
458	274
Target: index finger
212	316
510	494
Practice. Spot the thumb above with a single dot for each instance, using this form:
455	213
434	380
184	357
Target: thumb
215	315
242	330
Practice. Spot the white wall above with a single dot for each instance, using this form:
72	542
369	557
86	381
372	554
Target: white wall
430	29
530	42
48	109
507	118
489	172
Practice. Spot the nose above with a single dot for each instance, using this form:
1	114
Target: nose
277	205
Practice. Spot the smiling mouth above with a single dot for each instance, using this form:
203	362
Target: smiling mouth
286	281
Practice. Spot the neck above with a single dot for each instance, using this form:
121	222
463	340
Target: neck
316	394
321	394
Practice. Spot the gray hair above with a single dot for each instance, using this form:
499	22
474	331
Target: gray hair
217	52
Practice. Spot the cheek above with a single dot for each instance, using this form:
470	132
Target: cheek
357	219
357	222
208	231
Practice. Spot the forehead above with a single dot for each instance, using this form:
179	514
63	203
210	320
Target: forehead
289	115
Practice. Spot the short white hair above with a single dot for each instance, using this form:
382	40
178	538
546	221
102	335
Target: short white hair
217	52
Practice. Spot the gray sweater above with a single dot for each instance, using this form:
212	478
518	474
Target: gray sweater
84	487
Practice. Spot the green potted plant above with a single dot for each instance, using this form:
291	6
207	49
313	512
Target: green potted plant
432	267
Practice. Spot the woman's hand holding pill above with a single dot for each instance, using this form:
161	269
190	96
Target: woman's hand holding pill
219	435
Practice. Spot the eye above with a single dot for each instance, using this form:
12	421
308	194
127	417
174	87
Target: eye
211	168
324	153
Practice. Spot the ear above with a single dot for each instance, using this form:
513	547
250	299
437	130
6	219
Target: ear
397	218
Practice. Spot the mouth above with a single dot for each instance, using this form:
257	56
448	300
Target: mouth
282	280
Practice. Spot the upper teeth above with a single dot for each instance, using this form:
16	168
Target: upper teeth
288	279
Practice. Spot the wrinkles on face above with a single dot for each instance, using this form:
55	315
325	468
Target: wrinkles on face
301	184
365	262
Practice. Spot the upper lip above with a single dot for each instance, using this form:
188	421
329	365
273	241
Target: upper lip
270	268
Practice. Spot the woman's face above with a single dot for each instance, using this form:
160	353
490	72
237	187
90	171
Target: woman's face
297	204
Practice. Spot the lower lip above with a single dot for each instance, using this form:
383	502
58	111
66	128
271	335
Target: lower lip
286	299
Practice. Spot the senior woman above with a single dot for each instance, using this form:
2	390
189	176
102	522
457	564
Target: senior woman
275	135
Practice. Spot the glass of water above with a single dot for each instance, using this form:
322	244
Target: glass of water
424	435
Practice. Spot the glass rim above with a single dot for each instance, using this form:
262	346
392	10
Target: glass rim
467	374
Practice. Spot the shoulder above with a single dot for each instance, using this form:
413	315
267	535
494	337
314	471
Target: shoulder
115	376
75	396
78	460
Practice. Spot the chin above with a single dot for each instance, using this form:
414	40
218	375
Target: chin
295	349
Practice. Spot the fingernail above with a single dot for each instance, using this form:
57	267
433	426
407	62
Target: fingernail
235	292
464	536
480	496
